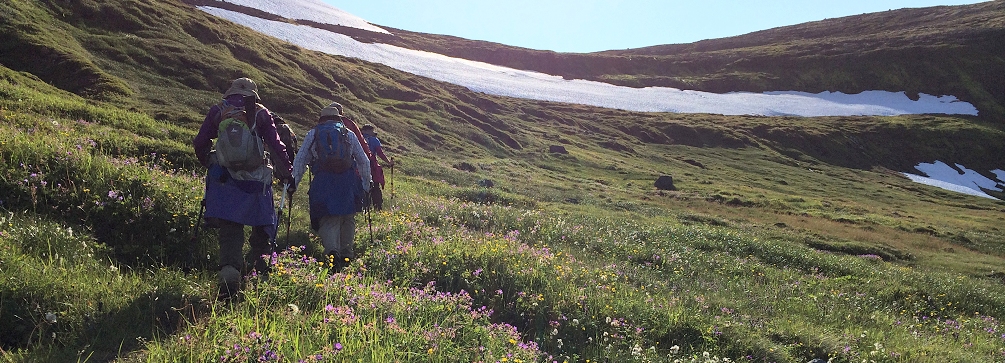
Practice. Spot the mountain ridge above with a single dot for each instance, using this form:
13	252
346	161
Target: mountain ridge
957	59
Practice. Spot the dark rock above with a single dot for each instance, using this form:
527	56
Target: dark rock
557	149
665	182
465	166
486	183
695	163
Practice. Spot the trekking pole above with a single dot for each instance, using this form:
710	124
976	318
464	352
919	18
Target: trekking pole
392	178
369	222
289	221
279	215
195	235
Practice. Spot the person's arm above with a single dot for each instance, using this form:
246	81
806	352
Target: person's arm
378	150
362	163
203	141
304	157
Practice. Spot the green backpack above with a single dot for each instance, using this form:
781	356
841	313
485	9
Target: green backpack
238	147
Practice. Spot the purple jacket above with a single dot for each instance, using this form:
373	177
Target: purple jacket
246	202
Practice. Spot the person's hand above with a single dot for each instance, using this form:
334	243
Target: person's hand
291	186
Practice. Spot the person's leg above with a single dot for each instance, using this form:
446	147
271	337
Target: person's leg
231	237
347	238
260	245
330	231
377	197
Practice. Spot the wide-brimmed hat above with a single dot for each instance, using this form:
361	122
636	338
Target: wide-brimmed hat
243	86
334	109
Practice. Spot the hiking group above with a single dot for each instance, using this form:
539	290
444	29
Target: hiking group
252	147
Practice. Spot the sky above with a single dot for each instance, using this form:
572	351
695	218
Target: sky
596	25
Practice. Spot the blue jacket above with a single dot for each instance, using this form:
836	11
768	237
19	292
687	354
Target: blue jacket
330	193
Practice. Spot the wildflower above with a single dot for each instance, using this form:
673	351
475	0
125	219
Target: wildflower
294	308
338	347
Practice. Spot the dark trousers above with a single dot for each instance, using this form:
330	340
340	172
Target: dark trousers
232	246
377	197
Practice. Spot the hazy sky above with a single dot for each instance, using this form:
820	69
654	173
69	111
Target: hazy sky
595	25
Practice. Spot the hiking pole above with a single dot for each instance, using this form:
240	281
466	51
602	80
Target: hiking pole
279	216
392	178
195	235
289	220
369	218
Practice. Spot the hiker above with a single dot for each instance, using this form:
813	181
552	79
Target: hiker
376	191
239	179
341	171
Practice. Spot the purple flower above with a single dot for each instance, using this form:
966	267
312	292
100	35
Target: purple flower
338	347
477	272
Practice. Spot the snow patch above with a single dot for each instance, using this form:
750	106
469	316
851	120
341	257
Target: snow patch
959	179
312	10
503	81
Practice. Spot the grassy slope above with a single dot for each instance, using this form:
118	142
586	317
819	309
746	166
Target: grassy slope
770	193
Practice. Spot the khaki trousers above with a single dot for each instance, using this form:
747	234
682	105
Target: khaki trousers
337	233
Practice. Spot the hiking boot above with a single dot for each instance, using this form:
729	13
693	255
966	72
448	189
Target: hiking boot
229	282
337	263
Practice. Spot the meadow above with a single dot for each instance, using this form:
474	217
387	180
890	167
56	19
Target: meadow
758	256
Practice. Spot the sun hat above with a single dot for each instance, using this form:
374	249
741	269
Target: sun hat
243	86
334	109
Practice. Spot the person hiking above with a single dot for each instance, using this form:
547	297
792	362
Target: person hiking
376	169
239	179
341	171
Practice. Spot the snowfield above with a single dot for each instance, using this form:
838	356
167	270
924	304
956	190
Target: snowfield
503	81
312	10
941	175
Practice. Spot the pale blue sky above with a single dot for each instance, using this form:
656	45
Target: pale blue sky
595	25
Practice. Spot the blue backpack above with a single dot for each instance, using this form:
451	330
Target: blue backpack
332	147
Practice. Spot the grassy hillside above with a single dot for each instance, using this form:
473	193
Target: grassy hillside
787	239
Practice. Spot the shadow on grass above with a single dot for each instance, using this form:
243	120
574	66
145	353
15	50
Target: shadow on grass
99	336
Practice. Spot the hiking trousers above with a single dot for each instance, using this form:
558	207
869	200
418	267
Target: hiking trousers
337	233
377	197
232	246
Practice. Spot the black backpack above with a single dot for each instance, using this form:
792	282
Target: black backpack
287	136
